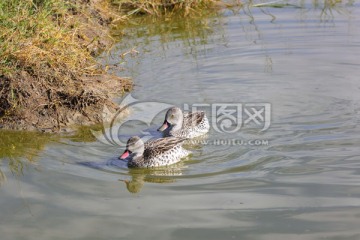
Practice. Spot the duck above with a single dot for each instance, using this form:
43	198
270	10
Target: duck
153	153
185	125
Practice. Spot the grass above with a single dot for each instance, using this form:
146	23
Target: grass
35	34
48	67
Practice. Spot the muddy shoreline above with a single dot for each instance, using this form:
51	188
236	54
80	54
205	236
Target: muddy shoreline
51	88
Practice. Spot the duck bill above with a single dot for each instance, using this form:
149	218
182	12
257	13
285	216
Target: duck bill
164	126
124	155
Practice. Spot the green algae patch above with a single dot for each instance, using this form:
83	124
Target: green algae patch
18	149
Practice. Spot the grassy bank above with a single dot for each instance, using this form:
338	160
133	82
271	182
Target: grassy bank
49	78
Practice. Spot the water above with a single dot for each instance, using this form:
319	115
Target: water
303	182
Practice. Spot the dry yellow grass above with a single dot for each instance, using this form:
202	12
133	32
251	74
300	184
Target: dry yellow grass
161	7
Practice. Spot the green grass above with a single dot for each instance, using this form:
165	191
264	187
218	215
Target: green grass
36	34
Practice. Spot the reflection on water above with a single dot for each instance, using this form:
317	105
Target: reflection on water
17	149
303	184
155	175
147	32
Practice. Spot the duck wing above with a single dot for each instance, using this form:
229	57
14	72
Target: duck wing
159	146
193	118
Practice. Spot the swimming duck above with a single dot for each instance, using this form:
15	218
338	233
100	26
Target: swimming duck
154	153
186	125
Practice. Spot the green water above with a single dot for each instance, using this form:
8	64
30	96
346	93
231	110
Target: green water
302	182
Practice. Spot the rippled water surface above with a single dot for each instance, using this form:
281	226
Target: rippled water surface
298	179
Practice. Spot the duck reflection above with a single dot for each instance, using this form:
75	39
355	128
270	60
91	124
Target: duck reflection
166	174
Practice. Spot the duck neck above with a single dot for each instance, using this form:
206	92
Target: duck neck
138	153
136	160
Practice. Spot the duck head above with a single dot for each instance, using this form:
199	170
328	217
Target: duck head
134	148
173	120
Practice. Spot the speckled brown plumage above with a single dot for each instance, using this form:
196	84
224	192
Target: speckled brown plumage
187	125
154	153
